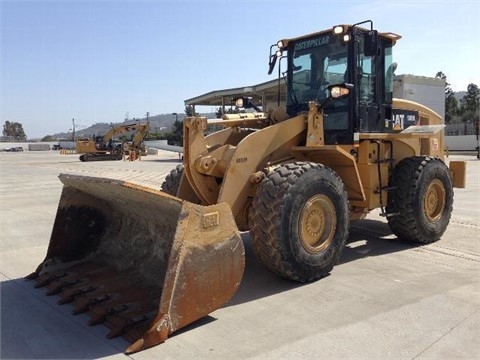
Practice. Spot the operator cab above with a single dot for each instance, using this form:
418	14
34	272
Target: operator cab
350	57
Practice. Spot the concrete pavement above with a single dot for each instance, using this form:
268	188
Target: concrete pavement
386	298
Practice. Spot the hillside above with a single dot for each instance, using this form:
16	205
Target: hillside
157	123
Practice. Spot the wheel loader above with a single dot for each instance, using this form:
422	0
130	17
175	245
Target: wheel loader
146	262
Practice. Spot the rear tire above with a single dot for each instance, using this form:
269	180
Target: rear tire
422	199
299	221
172	181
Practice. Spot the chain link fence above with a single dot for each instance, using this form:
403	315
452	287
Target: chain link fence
457	129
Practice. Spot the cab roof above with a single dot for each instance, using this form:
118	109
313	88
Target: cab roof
388	35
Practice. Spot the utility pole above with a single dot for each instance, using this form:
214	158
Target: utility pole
73	129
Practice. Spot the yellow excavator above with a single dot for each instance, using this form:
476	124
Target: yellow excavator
135	149
146	263
106	148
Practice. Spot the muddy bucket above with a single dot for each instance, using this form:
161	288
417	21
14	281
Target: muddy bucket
140	261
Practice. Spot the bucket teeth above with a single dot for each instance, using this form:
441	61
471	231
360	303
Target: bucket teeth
59	286
125	325
133	334
46	279
70	294
102	315
100	296
84	304
134	299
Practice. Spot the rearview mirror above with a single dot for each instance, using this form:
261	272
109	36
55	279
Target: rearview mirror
271	63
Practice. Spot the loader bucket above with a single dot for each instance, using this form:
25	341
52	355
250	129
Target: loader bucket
140	261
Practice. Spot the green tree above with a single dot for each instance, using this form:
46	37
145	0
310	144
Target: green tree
190	111
48	138
470	103
177	128
14	130
451	104
175	136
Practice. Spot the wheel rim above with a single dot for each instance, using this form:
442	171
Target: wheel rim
317	223
434	201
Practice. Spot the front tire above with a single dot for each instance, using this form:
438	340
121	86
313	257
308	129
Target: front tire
172	181
299	221
421	201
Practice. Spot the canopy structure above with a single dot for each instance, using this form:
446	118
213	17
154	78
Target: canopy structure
266	94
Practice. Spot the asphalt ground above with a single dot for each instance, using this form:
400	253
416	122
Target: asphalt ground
385	299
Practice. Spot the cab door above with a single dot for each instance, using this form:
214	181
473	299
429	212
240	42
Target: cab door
368	116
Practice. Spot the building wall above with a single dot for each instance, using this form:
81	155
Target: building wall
423	90
461	143
38	147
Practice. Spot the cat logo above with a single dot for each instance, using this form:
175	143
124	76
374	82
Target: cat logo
398	122
402	119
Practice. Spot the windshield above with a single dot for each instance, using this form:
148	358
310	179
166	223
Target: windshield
315	63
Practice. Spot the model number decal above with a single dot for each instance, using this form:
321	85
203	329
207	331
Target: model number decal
241	160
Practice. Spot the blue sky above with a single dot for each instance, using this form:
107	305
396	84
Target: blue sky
97	60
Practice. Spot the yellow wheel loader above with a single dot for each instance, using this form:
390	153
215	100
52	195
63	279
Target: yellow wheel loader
147	263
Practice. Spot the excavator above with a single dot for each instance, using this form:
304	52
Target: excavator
146	262
135	149
105	148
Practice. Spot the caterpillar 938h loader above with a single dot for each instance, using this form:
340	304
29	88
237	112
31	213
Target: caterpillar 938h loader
147	262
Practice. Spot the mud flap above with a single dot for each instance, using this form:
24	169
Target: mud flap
140	261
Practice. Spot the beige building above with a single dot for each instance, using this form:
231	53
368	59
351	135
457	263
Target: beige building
424	90
265	94
421	89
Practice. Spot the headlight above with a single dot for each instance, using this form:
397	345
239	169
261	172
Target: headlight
337	91
282	44
337	30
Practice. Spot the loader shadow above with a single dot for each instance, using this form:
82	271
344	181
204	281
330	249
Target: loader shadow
258	282
33	326
367	238
167	161
370	238
199	323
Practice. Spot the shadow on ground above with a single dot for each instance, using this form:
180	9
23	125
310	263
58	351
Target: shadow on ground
31	322
29	319
367	238
167	161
